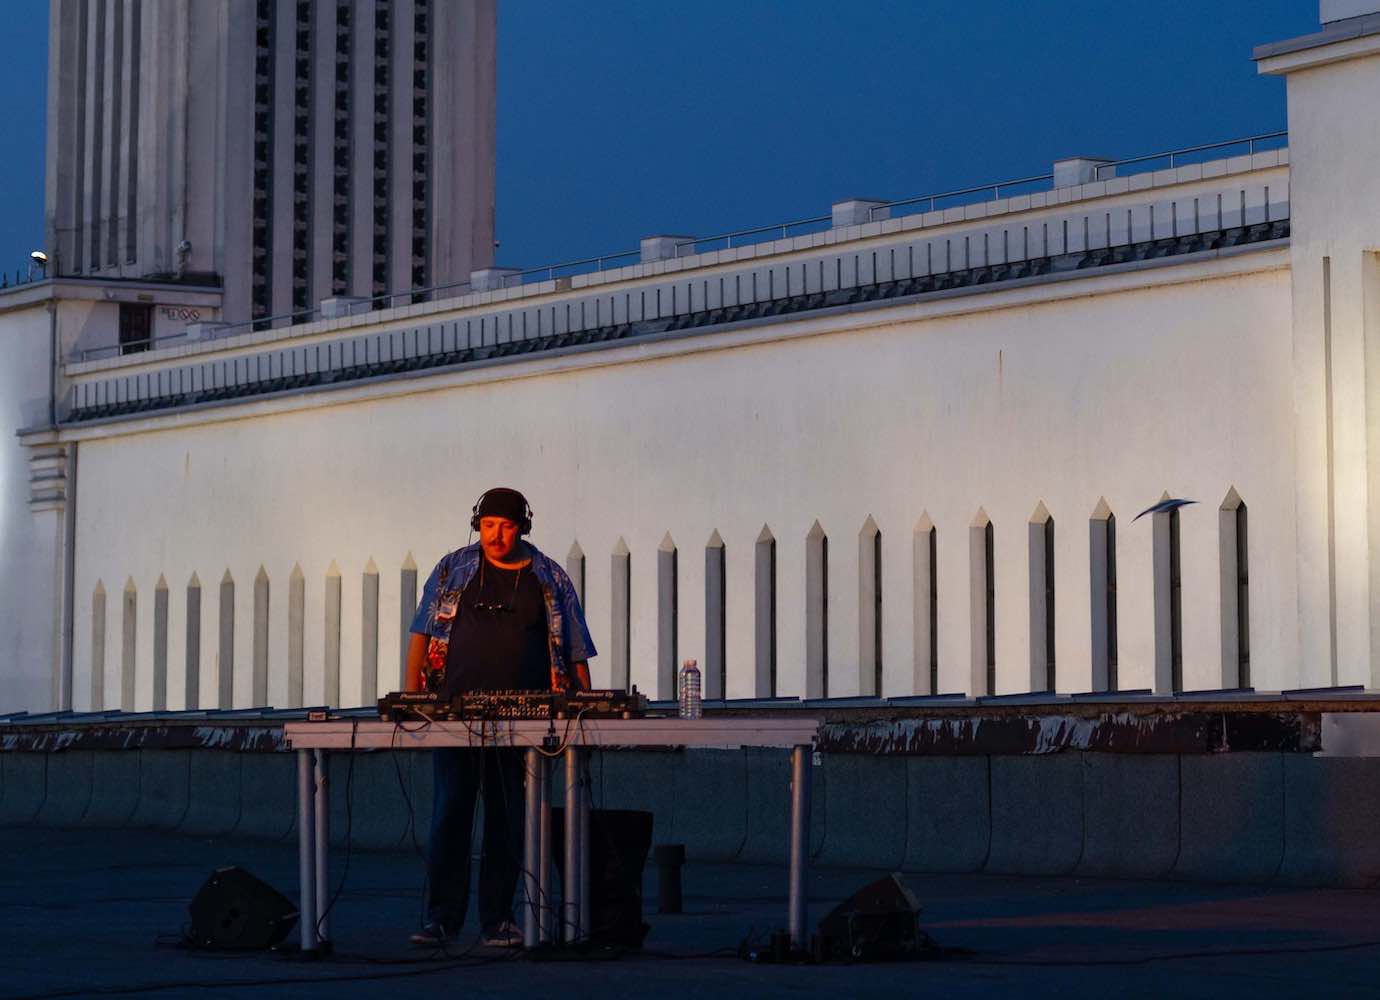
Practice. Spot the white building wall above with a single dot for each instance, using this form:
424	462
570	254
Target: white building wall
31	541
1174	379
1335	290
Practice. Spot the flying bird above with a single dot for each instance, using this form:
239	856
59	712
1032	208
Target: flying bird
1163	507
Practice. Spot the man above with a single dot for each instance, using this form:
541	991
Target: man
495	616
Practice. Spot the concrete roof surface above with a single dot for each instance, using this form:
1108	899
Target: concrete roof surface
82	912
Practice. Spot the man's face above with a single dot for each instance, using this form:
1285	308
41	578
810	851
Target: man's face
499	536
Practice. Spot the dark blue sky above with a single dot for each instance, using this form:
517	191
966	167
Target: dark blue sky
622	118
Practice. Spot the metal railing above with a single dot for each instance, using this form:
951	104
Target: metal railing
784	228
547	272
746	237
1174	157
129	347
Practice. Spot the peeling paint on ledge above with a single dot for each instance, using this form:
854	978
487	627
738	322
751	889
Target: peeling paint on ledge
1115	732
971	731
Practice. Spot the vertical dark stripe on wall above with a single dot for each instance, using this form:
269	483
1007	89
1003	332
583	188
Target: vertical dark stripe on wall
132	169
265	68
116	108
934	610
422	117
79	173
1331	473
1111	603
343	149
192	690
98	133
990	605
383	96
1176	620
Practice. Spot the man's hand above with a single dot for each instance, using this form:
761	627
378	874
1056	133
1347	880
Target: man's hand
580	671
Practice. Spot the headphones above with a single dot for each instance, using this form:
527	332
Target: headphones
524	526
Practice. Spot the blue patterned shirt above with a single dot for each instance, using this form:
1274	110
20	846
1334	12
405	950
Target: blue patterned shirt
569	640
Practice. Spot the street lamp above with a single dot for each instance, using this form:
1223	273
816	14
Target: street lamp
38	259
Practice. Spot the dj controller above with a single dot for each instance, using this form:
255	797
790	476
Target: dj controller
606	703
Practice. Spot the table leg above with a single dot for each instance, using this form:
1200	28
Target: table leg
547	928
322	805
586	786
306	849
800	844
573	848
531	849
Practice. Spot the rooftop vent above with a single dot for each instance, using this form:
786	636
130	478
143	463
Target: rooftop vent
1081	170
666	247
859	212
1340	10
491	279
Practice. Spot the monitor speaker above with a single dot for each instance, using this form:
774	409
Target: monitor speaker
233	910
879	922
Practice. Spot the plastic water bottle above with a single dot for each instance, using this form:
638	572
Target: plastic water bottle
691	704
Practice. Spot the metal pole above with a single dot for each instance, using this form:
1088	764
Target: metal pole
306	850
322	806
571	886
547	928
800	844
531	850
585	785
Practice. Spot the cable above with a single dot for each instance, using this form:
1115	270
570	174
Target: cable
349	829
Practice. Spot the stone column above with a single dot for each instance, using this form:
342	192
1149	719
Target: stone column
52	490
1333	81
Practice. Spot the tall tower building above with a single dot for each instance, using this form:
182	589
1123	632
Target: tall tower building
292	150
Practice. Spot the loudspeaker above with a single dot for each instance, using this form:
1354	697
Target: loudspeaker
235	910
619	840
880	921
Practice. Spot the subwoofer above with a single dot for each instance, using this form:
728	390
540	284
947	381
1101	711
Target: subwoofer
233	910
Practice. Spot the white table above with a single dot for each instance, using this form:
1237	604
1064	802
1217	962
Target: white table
314	740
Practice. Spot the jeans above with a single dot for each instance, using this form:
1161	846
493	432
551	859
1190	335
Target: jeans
460	775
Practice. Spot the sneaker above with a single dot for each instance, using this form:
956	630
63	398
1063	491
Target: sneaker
504	935
433	935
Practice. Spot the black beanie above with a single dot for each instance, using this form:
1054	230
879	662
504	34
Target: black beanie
503	502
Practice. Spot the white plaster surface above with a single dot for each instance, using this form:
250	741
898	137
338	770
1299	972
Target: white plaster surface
1122	394
29	540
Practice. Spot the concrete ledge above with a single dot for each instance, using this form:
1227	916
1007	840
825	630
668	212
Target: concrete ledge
69	789
866	814
164	789
268	795
1331	821
948	815
1130	815
26	779
1232	816
711	810
1037	814
115	789
213	805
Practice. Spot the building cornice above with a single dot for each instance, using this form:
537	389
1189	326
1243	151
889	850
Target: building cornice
852	318
1354	38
